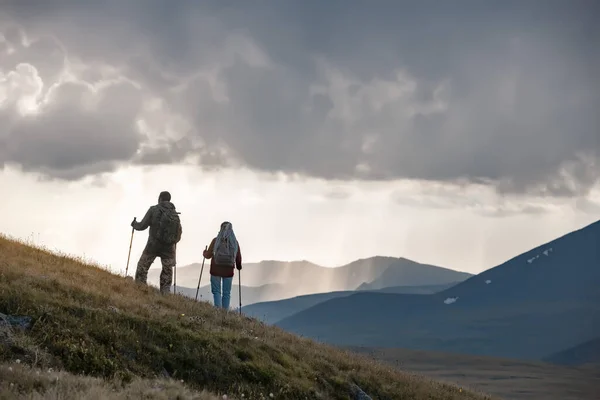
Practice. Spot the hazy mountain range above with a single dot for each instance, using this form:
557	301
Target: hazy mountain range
250	294
536	304
543	304
274	311
275	280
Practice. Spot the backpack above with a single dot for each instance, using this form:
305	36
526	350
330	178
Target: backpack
169	226
226	252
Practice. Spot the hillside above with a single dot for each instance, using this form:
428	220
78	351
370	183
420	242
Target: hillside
300	278
421	289
507	311
19	381
584	353
271	312
87	321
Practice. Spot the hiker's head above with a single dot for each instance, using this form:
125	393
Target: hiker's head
164	196
224	225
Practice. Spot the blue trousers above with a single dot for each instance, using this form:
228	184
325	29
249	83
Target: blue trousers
221	296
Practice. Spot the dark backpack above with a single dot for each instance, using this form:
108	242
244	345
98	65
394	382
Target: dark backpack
169	226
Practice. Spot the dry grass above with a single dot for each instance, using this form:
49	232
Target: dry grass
19	382
88	321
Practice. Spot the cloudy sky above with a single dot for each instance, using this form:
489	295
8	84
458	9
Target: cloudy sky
457	133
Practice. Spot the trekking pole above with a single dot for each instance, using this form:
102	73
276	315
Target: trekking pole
240	288
175	279
129	255
201	269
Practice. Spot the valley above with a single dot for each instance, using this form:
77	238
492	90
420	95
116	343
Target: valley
505	378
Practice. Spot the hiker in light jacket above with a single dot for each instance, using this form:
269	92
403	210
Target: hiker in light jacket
225	255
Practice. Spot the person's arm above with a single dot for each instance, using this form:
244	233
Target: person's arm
238	258
145	222
208	253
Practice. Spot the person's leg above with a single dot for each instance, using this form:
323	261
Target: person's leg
215	286
227	292
166	275
143	265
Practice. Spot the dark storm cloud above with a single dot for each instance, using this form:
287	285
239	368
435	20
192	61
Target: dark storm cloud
442	91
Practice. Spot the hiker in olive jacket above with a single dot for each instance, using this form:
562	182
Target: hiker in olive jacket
225	255
165	233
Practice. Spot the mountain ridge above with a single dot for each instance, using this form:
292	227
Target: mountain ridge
551	287
273	311
300	279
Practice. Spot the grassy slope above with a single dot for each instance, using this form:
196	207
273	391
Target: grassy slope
18	382
91	322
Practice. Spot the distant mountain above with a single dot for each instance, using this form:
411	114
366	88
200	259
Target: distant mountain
271	312
250	294
253	274
537	303
263	273
299	278
405	271
422	289
584	353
